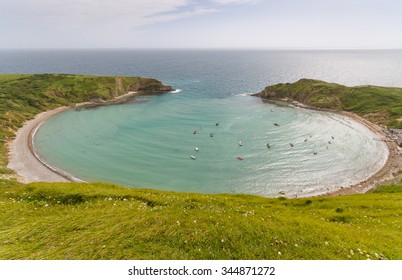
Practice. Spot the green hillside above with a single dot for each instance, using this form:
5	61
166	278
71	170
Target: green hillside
381	105
104	221
24	96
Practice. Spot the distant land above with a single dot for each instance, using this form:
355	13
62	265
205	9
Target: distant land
105	221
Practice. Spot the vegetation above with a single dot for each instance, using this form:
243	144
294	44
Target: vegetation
24	96
381	105
104	221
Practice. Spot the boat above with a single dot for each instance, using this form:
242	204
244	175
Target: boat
240	158
192	157
211	135
197	149
240	143
268	146
291	145
195	132
276	124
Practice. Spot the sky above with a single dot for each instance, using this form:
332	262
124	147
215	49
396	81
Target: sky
204	24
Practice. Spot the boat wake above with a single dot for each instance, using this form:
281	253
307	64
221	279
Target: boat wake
176	91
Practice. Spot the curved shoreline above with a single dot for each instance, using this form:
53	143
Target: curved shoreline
27	163
24	160
30	167
389	169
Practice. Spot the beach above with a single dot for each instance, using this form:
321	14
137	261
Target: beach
22	157
387	172
24	160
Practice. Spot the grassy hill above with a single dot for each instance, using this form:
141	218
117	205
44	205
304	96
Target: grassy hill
24	96
381	105
104	221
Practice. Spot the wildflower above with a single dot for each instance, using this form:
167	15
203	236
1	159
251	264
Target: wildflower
352	252
326	243
222	240
279	253
46	205
178	223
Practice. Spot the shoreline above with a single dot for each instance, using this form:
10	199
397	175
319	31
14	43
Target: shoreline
30	167
26	162
387	172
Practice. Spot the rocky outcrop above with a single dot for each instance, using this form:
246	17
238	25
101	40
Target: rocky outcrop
149	86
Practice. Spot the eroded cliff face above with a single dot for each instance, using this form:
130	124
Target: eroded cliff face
143	86
148	86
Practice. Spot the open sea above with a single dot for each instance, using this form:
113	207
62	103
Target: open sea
148	142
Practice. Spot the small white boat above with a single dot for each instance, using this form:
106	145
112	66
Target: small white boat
197	149
240	143
192	157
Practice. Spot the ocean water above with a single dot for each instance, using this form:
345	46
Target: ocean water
148	142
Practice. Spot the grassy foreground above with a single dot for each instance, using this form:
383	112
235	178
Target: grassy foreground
381	105
101	221
104	221
24	96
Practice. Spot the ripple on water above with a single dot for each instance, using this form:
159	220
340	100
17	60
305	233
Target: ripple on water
148	144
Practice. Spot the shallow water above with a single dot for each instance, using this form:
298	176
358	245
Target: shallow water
148	143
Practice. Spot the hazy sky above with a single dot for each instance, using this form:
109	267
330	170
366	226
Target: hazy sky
255	24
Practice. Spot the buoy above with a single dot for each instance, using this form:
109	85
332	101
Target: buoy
291	145
240	143
315	153
217	124
211	135
197	149
195	131
268	146
332	137
240	158
305	140
276	124
192	157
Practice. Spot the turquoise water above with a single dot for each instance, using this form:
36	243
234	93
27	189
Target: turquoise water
148	143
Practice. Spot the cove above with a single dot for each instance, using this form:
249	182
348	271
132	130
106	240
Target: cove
147	143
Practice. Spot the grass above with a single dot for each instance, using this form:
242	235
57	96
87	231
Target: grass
103	221
24	96
381	105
